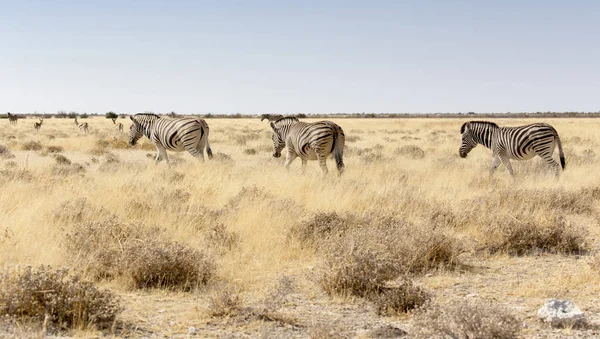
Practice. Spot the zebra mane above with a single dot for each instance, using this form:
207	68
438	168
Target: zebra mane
489	123
286	119
146	115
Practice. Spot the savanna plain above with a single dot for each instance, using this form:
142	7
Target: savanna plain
412	240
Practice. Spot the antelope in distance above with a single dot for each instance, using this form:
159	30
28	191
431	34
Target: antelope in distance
12	118
76	123
84	127
38	125
118	126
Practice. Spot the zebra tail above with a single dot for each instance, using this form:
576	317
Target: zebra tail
208	150
563	164
338	147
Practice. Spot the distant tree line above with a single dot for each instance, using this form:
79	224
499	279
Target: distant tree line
364	115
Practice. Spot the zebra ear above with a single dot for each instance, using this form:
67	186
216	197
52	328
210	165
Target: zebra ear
462	128
131	117
272	125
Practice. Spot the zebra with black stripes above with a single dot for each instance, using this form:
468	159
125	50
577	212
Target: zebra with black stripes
516	143
177	135
271	117
12	118
309	141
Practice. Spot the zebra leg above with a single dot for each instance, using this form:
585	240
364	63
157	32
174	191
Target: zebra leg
495	164
506	163
322	162
290	156
160	155
552	163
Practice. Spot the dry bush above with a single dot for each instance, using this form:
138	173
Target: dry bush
248	194
323	331
10	164
319	227
223	158
16	175
79	210
222	240
57	295
68	170
31	146
400	299
250	151
226	302
118	143
363	260
54	149
410	151
530	234
465	319
139	254
167	264
353	138
62	160
5	153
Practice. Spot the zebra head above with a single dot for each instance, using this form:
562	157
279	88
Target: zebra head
136	131
468	141
278	142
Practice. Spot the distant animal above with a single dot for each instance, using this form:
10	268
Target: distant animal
76	123
177	135
271	117
118	126
12	118
309	141
38	125
84	127
517	143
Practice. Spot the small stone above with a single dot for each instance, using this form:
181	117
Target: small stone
561	313
472	295
192	330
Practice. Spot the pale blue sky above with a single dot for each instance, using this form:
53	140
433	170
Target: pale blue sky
299	56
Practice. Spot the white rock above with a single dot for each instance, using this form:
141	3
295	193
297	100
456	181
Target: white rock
561	313
192	330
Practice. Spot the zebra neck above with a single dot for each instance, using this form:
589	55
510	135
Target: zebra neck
484	137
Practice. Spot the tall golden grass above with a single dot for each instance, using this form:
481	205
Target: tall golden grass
244	210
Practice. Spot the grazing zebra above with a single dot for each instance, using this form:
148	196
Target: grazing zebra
38	125
309	141
84	127
118	126
177	135
518	143
12	118
271	117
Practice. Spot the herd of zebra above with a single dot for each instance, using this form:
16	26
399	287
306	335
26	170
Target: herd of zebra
317	140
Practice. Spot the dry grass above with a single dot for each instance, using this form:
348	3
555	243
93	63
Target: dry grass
407	209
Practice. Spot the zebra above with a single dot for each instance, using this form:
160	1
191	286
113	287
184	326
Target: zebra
271	117
118	126
177	135
84	127
38	125
12	118
517	143
309	141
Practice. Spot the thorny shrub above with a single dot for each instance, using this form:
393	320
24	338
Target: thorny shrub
221	239
31	146
57	295
322	226
5	153
54	149
410	151
550	233
139	254
400	299
465	319
226	302
62	160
